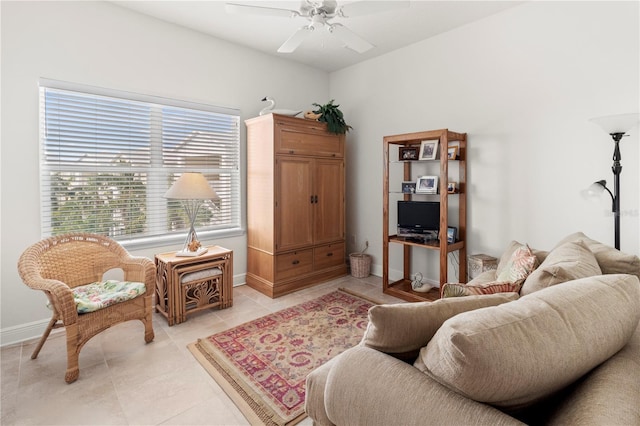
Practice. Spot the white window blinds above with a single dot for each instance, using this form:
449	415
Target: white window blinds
108	158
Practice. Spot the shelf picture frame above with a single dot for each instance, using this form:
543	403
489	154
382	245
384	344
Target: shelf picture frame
452	153
452	234
427	185
429	149
408	153
408	187
452	187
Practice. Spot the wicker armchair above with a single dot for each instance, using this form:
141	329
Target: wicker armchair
58	264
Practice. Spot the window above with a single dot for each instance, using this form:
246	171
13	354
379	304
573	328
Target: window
107	158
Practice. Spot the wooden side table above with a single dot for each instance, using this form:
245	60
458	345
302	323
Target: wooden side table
479	263
189	284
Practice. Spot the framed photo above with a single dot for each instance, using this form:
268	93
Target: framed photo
452	153
408	187
452	234
427	185
408	153
452	188
428	149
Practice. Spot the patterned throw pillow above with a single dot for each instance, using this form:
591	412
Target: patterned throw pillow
459	290
521	263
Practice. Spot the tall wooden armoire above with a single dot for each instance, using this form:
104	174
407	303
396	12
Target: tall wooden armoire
295	204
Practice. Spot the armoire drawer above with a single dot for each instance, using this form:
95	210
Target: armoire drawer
289	265
292	141
328	256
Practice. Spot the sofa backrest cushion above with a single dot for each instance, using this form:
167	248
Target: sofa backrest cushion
611	261
517	353
569	261
406	327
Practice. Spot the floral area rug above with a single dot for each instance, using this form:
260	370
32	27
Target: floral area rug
262	365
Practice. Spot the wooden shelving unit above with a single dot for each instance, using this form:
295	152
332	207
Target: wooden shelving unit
446	138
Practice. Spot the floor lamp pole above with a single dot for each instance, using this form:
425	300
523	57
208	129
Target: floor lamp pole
616	169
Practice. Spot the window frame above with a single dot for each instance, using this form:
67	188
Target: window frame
237	228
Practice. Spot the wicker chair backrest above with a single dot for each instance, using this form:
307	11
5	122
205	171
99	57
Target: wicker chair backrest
75	259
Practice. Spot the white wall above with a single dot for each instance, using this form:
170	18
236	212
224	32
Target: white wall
101	44
522	84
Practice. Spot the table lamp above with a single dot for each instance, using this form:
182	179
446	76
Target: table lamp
617	126
193	190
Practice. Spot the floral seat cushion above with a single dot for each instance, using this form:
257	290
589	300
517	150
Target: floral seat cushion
98	295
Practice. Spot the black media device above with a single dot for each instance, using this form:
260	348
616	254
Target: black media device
419	219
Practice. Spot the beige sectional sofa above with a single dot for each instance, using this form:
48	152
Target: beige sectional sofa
563	348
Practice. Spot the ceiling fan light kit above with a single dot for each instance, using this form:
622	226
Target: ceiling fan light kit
319	13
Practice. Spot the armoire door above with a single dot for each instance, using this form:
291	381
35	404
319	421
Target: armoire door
328	201
294	202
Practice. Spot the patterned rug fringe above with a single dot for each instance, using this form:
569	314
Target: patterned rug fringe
361	296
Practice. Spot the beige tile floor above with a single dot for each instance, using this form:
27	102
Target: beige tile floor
125	382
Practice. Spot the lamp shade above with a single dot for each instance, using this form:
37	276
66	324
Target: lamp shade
191	186
595	189
620	123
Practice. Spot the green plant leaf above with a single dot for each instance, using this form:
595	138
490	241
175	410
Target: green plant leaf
331	114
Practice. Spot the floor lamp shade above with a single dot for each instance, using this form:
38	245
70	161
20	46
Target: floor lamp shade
192	189
620	123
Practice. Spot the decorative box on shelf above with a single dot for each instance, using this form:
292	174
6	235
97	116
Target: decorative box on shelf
479	263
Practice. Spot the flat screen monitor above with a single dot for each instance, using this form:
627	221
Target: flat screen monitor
419	216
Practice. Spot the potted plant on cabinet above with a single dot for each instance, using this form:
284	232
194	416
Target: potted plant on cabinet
331	114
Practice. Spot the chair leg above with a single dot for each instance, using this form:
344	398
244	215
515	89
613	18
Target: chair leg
44	337
73	353
148	320
149	335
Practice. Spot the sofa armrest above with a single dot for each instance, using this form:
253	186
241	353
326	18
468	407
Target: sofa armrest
316	384
365	386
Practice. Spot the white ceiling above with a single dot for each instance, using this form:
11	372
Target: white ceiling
387	31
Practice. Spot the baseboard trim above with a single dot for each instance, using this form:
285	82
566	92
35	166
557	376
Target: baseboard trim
33	330
22	332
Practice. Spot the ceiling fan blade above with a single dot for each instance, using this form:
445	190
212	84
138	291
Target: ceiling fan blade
295	40
368	7
351	39
260	10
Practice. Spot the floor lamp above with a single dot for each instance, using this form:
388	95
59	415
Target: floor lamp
617	126
192	190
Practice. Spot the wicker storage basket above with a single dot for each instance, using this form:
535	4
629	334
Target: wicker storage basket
360	265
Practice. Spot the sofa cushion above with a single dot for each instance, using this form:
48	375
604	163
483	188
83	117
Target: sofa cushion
515	354
459	289
611	261
608	395
485	277
569	261
407	327
99	295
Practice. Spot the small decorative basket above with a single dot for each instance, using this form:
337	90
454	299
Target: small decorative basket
360	265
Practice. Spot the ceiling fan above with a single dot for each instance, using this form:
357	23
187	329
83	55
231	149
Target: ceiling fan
319	13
